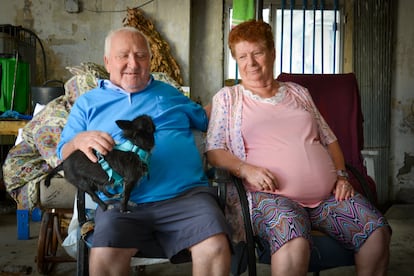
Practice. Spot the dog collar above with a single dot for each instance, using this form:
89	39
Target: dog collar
129	146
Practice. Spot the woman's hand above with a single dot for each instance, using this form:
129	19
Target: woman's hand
261	178
343	190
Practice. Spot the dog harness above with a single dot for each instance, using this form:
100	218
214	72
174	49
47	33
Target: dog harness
113	176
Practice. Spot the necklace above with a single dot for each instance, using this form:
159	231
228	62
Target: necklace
275	99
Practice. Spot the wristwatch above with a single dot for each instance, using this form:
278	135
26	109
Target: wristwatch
342	173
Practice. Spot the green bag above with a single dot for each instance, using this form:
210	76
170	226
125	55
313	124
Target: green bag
20	81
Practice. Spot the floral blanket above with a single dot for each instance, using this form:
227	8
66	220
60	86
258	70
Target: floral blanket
28	162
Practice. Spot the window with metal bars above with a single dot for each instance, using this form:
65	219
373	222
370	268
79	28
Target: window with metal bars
307	36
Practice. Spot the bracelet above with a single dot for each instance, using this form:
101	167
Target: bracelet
342	173
238	169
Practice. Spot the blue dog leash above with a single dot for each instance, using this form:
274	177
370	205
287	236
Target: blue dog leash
113	175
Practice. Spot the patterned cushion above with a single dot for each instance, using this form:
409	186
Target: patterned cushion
27	163
90	68
85	77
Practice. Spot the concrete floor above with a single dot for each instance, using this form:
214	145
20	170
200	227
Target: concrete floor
18	256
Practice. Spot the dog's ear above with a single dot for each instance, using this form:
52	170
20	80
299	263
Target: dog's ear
150	125
145	123
124	124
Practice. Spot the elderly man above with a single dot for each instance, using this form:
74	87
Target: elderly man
172	211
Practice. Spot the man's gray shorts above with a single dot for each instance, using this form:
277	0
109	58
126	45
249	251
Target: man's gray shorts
164	228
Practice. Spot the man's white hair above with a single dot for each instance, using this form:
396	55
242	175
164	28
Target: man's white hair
111	33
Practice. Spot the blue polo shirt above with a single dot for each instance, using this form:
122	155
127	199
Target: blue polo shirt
176	165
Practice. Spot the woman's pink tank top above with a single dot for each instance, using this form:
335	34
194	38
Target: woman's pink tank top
283	137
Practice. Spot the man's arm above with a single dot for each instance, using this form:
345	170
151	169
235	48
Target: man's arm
88	141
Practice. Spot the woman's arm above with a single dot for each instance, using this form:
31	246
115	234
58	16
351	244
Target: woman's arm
336	155
343	189
261	178
223	159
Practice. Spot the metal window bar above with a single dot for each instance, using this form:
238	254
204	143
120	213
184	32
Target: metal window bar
313	44
322	41
314	35
335	29
282	28
304	7
318	34
292	7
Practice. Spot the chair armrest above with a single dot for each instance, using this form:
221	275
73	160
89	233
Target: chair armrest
251	262
223	178
82	265
219	178
363	183
222	175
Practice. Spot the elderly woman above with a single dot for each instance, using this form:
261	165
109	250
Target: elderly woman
271	135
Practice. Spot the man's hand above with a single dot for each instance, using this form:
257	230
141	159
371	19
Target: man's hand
88	141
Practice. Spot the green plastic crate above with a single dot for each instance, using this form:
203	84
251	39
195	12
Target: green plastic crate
22	88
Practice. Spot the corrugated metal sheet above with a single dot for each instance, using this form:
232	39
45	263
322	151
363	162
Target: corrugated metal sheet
372	64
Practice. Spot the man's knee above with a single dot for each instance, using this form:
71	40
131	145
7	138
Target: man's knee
109	255
214	245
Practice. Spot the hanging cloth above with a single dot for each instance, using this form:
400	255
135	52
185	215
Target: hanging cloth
243	10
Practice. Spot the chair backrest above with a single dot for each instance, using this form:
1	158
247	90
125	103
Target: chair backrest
338	100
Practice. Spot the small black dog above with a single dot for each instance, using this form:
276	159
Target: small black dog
129	161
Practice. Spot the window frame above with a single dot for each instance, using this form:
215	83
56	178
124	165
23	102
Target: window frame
273	6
